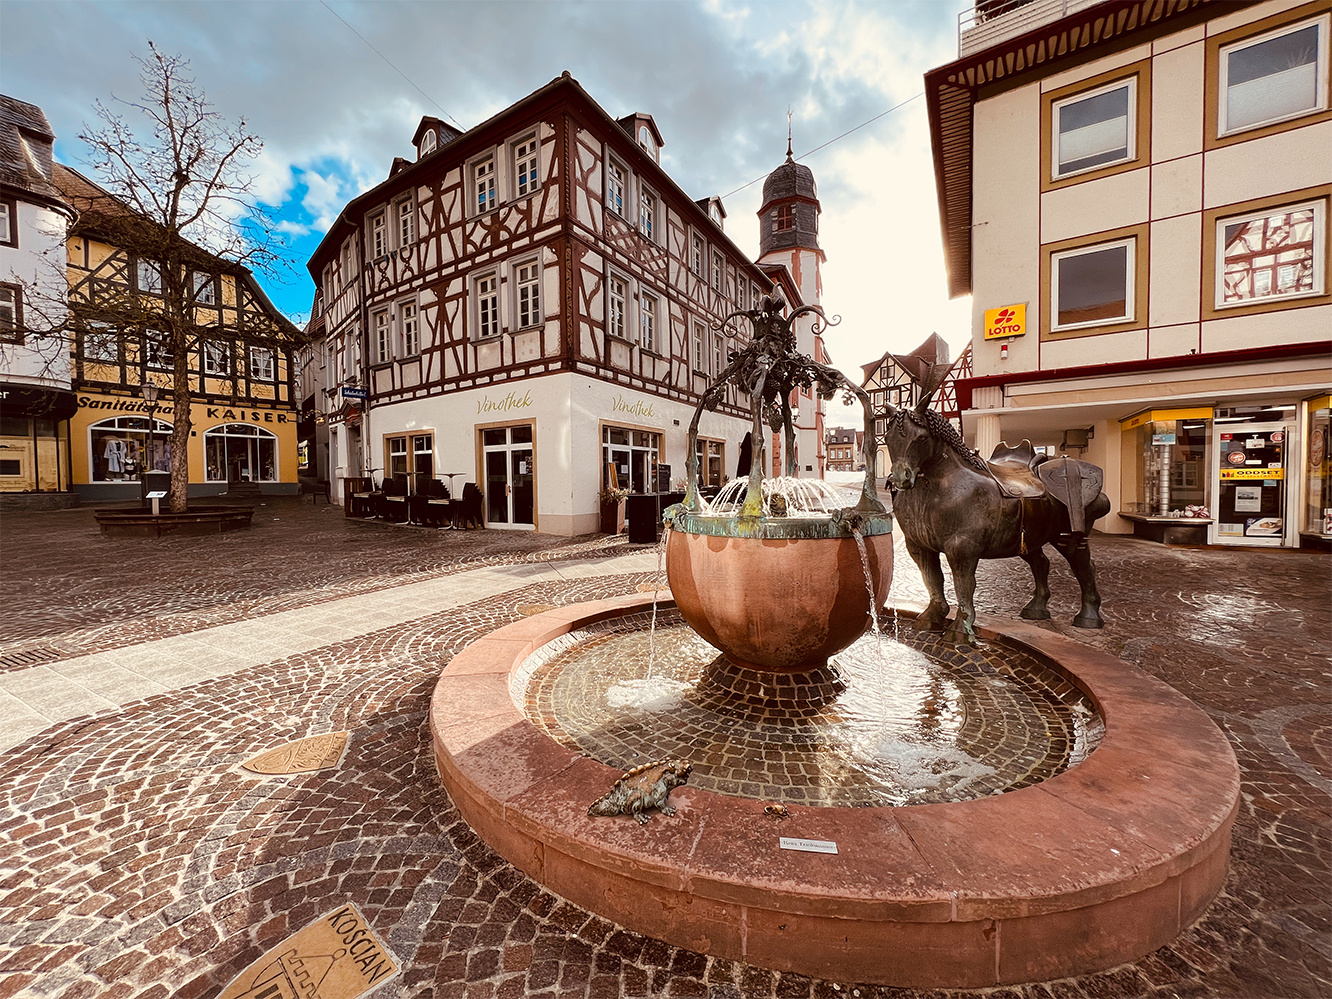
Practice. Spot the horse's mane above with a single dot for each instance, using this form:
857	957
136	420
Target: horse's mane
940	429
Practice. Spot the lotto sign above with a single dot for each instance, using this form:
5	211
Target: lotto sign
1011	320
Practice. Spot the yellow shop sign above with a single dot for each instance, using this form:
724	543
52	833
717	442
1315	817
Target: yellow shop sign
1010	320
1253	473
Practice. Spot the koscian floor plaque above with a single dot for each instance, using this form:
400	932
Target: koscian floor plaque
316	752
336	957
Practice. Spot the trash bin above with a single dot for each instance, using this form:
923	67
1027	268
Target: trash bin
153	482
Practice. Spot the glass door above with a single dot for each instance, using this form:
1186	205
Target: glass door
1250	478
510	476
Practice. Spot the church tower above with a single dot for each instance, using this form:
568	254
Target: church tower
789	237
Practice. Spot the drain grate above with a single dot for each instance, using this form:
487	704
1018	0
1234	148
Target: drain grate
29	657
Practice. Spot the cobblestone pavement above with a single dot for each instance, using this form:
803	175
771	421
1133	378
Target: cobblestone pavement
137	860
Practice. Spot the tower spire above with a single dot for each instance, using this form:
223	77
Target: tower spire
788	132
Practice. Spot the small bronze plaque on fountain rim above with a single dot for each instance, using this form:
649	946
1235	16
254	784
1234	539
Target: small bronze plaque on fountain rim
807	845
315	752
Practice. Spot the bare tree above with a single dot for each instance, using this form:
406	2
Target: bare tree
180	203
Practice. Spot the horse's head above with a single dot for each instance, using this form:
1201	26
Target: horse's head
911	446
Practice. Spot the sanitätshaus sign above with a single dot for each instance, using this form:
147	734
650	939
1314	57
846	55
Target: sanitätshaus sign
43	401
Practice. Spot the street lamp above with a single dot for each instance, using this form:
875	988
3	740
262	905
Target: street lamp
149	390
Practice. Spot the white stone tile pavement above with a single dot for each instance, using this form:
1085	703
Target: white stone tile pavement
33	699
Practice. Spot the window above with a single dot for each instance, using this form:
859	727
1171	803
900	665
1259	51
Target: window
697	257
383	341
205	291
397	456
100	343
1093	285
740	289
262	364
700	356
617	298
1095	129
8	222
409	329
1276	76
427	143
240	452
156	349
423	454
483	185
718	352
11	313
525	166
647	214
406	211
148	277
120	447
634	456
718	271
615	185
711	461
379	245
529	293
216	358
647	323
487	306
1271	254
785	220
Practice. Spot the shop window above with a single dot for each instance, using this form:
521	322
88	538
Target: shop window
1093	286
10	467
262	364
11	313
617	299
1095	129
240	452
630	459
409	333
410	453
396	462
1272	78
148	277
487	306
1172	456
616	185
8	222
528	281
216	358
525	166
1271	255
483	185
15	426
120	448
711	462
1318	483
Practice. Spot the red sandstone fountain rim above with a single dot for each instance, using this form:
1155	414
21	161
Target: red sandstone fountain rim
1094	867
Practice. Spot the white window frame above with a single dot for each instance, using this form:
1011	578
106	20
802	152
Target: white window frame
427	143
8	222
718	272
104	334
147	277
718	352
525	155
1320	74
1319	208
1130	275
484	177
617	186
217	358
527	292
648	321
11	313
409	328
156	350
263	364
203	287
617	306
649	214
379	237
699	336
486	292
1131	126
404	216
383	335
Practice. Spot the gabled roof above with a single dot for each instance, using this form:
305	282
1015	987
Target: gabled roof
26	143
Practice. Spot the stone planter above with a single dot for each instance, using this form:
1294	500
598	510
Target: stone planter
195	520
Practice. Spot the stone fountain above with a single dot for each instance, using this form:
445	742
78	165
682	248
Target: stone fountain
1080	810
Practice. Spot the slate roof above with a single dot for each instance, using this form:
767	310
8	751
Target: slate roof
26	142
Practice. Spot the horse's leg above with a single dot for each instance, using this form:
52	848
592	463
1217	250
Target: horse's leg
1075	549
927	560
1036	609
963	628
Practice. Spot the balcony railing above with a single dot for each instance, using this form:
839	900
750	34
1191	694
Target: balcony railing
993	21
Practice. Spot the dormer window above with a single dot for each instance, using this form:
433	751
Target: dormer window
714	213
646	141
428	142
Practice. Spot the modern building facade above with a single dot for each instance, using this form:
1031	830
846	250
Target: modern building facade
534	306
244	410
1136	195
36	400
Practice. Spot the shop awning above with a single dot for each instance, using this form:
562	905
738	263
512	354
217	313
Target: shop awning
37	400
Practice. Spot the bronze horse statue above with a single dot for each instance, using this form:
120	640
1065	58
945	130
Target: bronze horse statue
949	499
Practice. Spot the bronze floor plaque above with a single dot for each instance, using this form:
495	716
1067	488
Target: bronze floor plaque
316	752
336	957
529	609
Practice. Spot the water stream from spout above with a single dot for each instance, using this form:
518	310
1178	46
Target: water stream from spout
656	592
869	580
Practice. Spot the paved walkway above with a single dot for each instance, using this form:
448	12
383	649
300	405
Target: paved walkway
137	860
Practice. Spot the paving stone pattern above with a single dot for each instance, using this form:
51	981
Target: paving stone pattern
137	859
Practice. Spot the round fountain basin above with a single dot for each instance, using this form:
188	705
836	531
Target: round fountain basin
1090	868
777	603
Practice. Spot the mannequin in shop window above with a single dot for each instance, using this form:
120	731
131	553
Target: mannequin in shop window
115	453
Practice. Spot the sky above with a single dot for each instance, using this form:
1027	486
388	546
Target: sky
337	88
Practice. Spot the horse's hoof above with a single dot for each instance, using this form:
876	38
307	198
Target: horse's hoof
960	635
1030	613
924	623
1088	621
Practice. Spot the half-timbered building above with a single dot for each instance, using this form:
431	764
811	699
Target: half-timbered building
243	411
535	306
